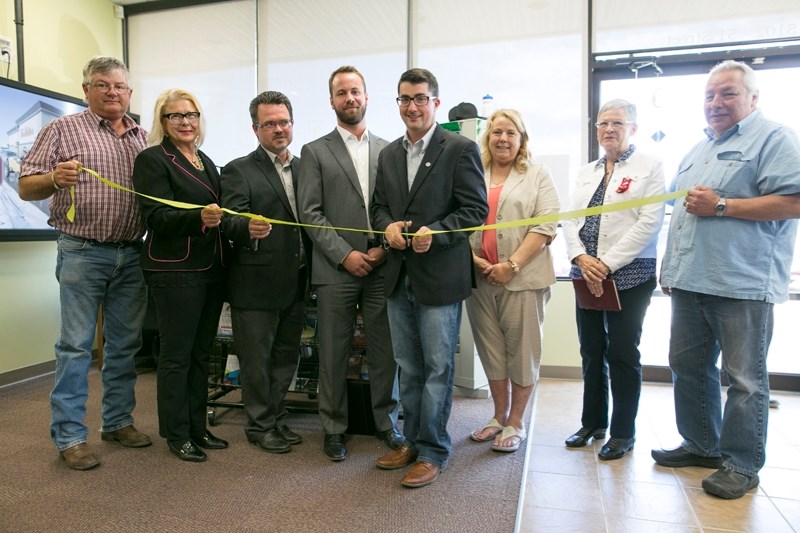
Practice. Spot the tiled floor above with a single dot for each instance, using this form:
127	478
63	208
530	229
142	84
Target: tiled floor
569	489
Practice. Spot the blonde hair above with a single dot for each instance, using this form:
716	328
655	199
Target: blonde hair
524	156
157	131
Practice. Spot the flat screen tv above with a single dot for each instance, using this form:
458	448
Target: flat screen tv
24	110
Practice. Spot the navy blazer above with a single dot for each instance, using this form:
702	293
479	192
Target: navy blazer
266	277
448	193
176	238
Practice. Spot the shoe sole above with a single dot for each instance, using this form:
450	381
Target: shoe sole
596	436
701	462
728	495
395	467
111	438
417	485
81	468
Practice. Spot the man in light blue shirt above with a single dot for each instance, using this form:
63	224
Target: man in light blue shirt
728	258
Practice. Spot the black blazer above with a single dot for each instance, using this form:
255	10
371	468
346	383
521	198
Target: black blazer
266	278
448	193
176	238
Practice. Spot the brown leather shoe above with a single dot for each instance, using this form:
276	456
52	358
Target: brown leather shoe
128	436
421	474
80	457
398	458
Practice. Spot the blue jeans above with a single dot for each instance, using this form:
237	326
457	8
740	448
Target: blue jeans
702	325
424	340
90	274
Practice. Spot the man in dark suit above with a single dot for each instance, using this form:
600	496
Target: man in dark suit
337	177
429	180
269	272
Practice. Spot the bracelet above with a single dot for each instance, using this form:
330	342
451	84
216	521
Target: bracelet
514	266
53	179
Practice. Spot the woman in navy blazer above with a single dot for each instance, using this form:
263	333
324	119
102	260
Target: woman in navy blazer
184	265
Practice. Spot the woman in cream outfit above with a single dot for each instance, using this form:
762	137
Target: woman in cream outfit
515	271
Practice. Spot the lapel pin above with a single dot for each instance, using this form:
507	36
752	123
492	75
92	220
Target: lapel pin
428	164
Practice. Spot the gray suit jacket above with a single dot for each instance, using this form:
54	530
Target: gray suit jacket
329	194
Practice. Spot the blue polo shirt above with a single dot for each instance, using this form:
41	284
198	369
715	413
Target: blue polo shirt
726	256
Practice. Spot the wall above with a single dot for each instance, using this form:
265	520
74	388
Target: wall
60	36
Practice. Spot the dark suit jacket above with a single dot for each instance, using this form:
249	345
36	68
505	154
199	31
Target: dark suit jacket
176	238
448	193
330	195
266	278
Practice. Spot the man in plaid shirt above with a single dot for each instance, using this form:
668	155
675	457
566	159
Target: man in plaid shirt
98	257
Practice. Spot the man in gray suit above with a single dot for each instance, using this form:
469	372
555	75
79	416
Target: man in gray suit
269	274
337	177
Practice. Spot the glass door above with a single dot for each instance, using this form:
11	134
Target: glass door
671	121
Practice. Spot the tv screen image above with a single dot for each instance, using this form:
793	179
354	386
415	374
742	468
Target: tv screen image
24	111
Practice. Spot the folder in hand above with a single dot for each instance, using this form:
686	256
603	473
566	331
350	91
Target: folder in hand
609	301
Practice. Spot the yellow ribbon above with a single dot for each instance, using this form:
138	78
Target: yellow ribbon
543	219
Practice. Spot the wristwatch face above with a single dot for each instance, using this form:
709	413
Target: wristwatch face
720	207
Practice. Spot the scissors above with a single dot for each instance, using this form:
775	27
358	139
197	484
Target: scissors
406	230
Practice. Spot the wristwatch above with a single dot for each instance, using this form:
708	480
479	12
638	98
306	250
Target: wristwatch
719	209
514	266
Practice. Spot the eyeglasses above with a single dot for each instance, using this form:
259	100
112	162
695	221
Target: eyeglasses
272	124
103	87
176	119
616	124
419	100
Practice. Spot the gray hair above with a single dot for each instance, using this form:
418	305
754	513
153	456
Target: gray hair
619	103
748	74
103	65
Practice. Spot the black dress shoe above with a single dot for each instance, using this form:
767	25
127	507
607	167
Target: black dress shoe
680	457
584	435
334	447
615	448
272	442
187	451
391	437
729	484
210	442
288	435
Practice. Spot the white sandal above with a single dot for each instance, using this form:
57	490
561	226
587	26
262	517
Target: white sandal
492	424
509	432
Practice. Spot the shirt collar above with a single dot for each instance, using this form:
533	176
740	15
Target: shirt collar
273	157
624	157
426	139
739	127
347	135
130	124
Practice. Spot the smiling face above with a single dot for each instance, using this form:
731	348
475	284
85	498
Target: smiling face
110	105
614	136
418	119
727	100
185	133
504	141
349	98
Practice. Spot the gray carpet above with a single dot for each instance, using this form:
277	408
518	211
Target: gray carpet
241	488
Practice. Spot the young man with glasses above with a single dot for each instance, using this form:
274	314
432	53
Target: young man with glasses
428	180
98	257
269	273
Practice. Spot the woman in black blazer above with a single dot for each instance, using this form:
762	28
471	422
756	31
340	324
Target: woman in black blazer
183	260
